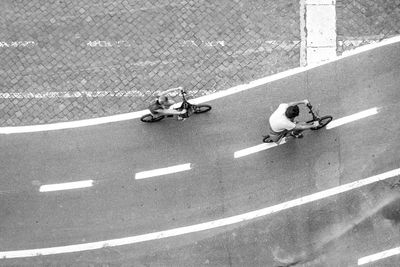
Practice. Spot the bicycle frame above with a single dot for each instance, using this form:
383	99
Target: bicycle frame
186	105
190	109
312	112
323	121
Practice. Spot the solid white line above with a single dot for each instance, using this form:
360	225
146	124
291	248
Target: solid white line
162	171
379	256
72	124
351	118
255	149
230	91
202	226
66	186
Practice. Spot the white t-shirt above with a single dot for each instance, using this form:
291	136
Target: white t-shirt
278	120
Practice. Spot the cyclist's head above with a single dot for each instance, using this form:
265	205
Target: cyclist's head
292	112
162	99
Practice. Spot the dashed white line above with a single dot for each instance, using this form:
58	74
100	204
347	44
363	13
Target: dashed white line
351	118
75	94
163	171
255	149
202	226
332	124
66	186
15	44
379	256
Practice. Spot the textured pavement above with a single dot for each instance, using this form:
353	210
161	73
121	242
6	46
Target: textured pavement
68	60
122	52
361	22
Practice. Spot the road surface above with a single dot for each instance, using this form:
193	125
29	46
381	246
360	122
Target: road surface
333	231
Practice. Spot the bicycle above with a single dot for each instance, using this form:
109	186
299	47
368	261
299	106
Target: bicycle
190	109
323	121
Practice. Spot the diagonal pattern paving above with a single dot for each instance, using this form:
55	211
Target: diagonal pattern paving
361	22
135	46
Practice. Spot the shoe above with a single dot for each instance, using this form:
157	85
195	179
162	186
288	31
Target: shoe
300	135
181	118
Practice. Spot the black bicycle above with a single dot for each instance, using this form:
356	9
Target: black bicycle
323	121
190	109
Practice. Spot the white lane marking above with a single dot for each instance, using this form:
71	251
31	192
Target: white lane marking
379	256
332	124
75	94
72	124
230	91
15	44
66	186
351	118
202	226
162	171
257	148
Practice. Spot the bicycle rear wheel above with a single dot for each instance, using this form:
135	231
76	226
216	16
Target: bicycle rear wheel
150	118
201	108
323	121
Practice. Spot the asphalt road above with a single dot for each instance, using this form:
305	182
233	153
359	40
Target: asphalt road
332	232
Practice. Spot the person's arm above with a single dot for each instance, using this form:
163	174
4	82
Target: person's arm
305	126
305	102
166	92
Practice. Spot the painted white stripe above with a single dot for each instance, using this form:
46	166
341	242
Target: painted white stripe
15	44
351	118
379	256
72	124
202	226
233	90
257	148
332	124
75	94
162	171
66	186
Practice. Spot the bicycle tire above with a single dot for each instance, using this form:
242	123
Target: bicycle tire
201	108
150	118
266	139
323	121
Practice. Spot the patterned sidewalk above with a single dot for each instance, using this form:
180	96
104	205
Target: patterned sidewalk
122	52
65	60
361	22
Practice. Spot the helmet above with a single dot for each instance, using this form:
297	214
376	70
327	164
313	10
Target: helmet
292	112
162	99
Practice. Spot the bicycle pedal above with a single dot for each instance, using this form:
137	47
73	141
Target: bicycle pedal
297	135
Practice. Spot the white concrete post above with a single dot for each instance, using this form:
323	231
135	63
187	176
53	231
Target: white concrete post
318	31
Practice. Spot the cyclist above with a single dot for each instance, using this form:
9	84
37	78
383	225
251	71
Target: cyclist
281	122
161	106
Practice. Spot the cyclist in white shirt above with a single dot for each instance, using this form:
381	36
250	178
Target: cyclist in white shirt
281	122
161	106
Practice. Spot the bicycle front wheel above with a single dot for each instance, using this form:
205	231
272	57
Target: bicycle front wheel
201	108
150	118
323	121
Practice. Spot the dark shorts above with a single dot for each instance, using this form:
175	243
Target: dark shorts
277	136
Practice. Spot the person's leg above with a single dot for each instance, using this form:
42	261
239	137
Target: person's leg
277	137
